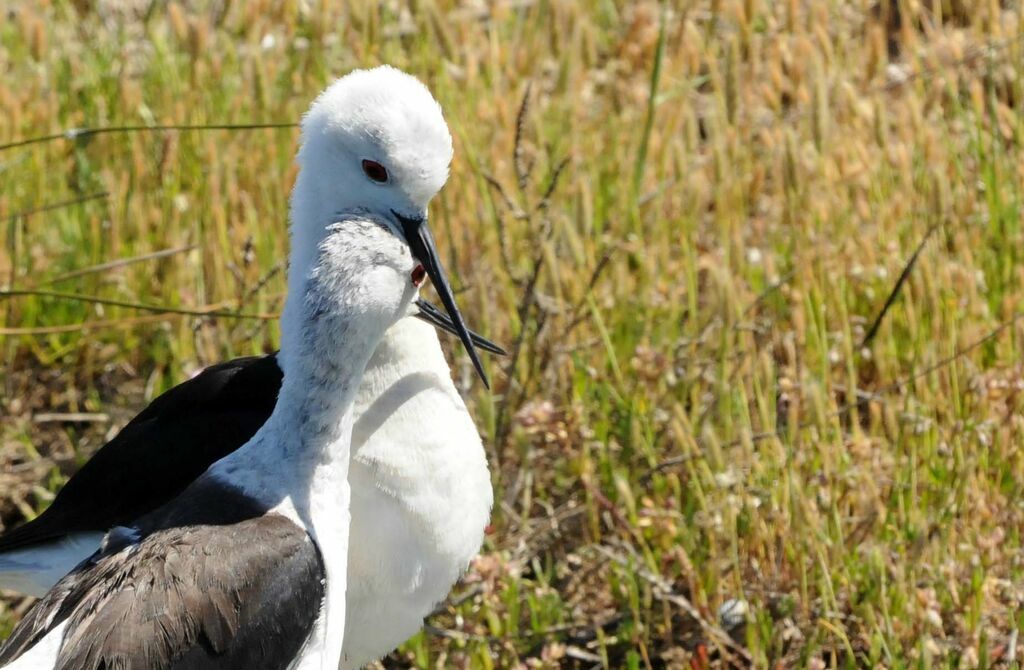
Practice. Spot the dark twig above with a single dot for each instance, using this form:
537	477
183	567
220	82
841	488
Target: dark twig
522	169
578	315
525	305
15	293
58	205
503	243
505	198
552	185
84	326
900	281
79	133
960	353
119	263
262	282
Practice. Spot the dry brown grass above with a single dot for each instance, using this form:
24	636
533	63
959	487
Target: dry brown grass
691	416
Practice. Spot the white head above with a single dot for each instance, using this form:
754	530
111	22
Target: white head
374	141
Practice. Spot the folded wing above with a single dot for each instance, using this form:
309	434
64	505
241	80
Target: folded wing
242	595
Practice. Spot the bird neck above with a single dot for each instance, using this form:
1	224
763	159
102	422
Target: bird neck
313	206
323	359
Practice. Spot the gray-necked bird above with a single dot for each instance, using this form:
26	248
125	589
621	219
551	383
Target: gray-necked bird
375	148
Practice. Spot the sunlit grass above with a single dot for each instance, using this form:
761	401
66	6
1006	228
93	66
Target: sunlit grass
681	425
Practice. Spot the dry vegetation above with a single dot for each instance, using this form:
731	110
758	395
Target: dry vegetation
700	455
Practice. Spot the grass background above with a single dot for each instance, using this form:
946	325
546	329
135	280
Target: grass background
700	458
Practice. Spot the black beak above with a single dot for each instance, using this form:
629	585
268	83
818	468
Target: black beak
421	242
438	319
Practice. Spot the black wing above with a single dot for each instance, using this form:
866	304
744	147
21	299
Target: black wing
243	595
161	451
169	444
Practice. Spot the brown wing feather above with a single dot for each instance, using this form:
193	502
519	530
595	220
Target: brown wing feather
244	595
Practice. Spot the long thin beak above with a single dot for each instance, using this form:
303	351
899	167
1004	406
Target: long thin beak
438	319
421	242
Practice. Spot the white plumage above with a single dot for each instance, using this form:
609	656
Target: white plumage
421	491
420	488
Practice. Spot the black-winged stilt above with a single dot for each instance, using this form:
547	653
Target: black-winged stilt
420	488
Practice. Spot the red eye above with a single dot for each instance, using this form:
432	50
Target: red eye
418	275
375	171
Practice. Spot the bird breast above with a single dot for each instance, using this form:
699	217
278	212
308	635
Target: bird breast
421	497
421	493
